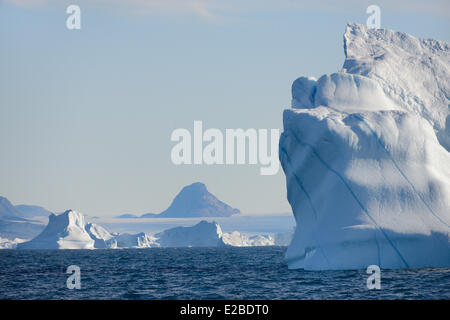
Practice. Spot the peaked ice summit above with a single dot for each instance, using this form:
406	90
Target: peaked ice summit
65	231
366	156
69	230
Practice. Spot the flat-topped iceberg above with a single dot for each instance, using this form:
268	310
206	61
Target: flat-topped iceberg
366	156
138	240
203	234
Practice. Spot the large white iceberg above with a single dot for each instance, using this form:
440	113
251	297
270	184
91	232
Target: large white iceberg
64	231
366	156
69	230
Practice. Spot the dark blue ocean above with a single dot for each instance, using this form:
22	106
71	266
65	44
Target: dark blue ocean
200	273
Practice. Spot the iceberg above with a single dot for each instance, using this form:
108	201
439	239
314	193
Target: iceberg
6	243
203	234
237	239
366	156
69	230
102	238
283	239
210	234
64	231
139	240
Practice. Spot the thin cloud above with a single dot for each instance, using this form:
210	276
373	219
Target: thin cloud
27	3
210	9
202	8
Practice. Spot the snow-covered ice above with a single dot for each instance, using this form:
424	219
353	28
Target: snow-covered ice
366	156
64	231
203	234
6	243
138	240
69	230
102	237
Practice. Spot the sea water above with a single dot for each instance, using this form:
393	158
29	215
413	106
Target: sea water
200	273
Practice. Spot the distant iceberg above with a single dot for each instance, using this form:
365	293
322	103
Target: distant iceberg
366	156
138	240
64	231
6	243
102	238
203	234
69	230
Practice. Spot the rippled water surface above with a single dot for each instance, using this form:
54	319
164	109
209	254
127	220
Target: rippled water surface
200	273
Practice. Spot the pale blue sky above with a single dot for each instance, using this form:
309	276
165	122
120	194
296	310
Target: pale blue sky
86	116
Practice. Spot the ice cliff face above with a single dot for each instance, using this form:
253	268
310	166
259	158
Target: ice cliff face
413	72
102	238
366	156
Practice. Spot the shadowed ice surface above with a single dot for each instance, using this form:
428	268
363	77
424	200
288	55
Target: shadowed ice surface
200	273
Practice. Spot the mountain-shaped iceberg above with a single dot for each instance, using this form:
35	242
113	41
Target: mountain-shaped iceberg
195	200
366	156
64	231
